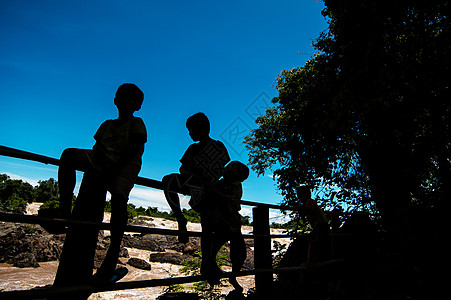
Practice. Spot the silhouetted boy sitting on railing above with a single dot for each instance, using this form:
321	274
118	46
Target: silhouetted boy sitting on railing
202	164
221	222
112	165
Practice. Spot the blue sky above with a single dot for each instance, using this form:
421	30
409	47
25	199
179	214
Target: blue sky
62	61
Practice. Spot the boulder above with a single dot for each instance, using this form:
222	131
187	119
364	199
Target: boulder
170	257
26	245
143	221
160	243
25	260
102	248
139	263
142	241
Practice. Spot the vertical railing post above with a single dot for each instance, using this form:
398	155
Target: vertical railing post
262	252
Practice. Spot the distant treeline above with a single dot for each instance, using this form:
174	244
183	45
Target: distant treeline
15	194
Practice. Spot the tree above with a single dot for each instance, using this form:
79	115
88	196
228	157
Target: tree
368	116
14	194
47	190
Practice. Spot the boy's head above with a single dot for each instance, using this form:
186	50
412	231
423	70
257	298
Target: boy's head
303	192
236	170
131	94
198	126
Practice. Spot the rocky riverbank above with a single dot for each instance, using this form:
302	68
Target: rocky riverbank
28	257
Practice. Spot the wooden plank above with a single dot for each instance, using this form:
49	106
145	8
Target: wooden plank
262	252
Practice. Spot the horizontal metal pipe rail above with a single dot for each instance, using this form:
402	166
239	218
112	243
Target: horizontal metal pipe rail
262	274
32	219
152	183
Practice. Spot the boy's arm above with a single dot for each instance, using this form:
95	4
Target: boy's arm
187	161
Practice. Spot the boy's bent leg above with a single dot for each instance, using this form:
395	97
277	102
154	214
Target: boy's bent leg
71	159
66	180
77	258
171	186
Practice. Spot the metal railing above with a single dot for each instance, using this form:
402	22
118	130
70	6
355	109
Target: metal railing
263	271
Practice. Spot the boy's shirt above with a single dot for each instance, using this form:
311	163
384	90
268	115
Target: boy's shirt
113	139
206	161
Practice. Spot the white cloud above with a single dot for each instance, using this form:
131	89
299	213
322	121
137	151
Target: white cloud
145	197
33	182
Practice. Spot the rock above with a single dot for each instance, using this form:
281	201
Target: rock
123	252
249	262
26	245
98	258
139	263
169	242
47	249
25	260
102	248
170	257
143	221
143	242
160	243
192	246
249	243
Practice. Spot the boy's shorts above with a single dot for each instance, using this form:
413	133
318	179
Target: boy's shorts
120	184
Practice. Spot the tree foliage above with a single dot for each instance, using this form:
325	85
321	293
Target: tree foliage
14	194
47	190
368	116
